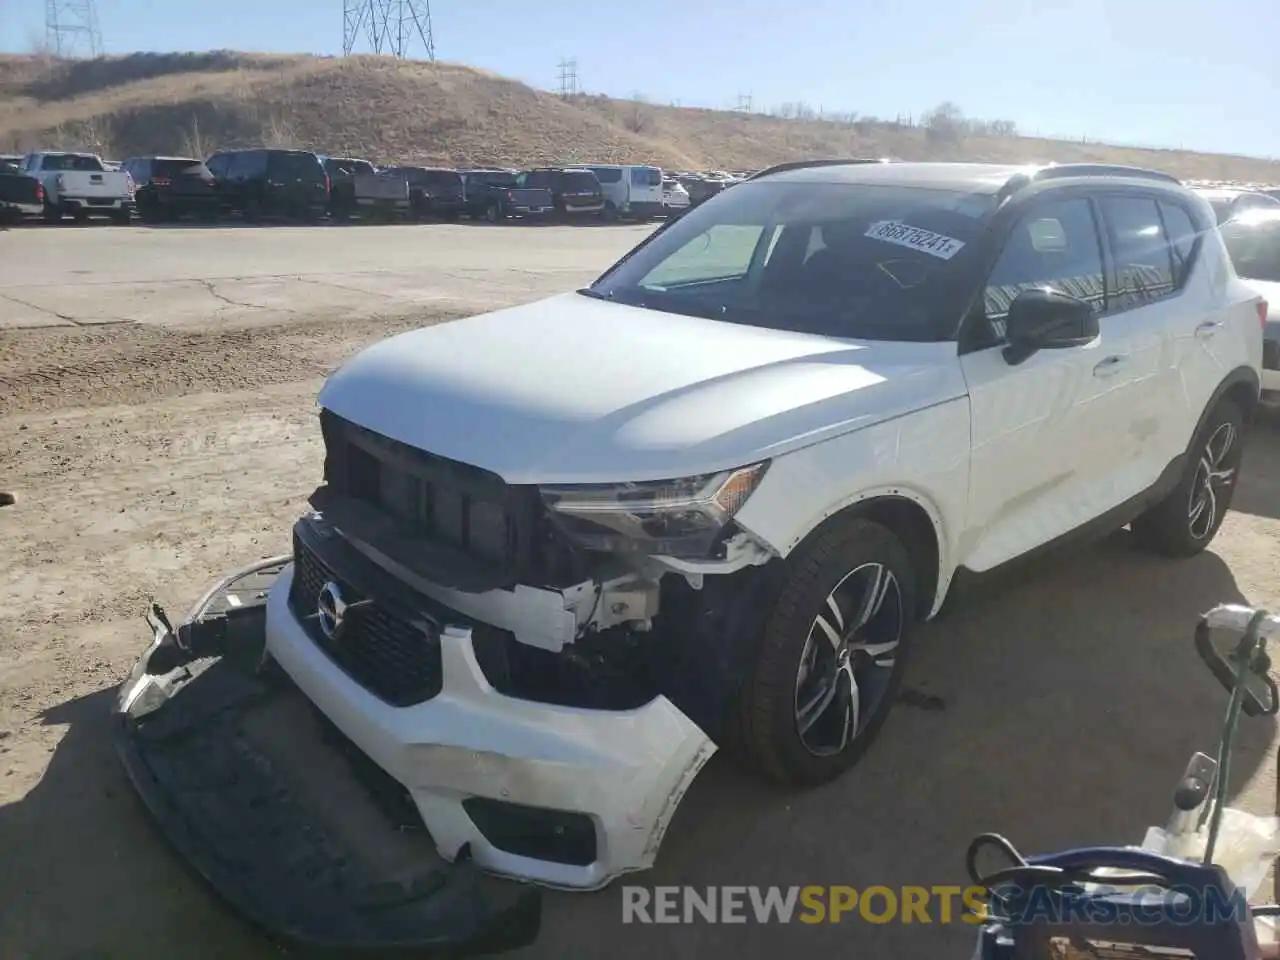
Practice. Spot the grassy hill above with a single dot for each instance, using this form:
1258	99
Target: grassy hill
446	113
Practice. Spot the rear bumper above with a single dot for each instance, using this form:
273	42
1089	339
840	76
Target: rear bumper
316	870
25	209
95	204
618	776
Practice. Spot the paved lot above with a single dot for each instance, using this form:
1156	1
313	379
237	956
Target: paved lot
181	276
149	456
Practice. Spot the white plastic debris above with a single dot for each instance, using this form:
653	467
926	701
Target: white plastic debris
1247	846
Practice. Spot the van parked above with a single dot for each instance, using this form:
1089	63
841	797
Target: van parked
633	191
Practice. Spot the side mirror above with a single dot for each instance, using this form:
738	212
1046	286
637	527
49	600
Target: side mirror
1044	319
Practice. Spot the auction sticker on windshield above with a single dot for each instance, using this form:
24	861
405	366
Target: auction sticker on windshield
914	238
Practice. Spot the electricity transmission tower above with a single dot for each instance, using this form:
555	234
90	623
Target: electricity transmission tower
71	28
398	28
568	78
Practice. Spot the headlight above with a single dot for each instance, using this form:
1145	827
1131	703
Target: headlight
669	517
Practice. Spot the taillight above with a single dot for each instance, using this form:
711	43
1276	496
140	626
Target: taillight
511	195
328	184
128	180
40	191
1262	313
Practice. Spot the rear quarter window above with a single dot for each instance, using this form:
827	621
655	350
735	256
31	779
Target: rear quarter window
607	174
581	182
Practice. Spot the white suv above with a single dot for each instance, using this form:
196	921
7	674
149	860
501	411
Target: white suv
563	549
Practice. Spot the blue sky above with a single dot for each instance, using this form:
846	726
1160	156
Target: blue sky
1161	72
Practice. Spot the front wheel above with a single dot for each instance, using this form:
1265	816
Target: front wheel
831	657
1185	522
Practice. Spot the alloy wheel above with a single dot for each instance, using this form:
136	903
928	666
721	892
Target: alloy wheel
848	659
1213	477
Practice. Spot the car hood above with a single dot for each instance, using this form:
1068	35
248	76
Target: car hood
578	390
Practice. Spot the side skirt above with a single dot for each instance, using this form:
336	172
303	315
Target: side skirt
969	584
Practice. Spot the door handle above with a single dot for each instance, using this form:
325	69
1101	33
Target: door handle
1110	366
1208	328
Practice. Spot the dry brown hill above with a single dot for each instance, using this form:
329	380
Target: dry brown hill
445	113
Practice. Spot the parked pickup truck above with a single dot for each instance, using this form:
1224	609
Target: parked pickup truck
496	195
80	185
20	195
358	186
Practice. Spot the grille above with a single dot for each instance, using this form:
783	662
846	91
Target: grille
451	504
386	652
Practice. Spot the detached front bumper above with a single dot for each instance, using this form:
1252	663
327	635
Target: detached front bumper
278	813
568	797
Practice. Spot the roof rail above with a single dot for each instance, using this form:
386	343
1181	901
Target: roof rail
1056	170
803	164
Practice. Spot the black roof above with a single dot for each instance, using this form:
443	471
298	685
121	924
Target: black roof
989	178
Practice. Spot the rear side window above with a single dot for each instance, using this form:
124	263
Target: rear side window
250	163
607	174
297	166
581	181
217	164
1143	259
1182	239
1055	245
646	177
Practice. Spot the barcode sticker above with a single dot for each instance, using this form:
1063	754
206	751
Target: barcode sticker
914	238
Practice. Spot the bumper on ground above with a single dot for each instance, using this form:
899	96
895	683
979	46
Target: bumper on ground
240	778
566	797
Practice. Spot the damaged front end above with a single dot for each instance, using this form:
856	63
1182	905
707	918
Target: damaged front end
291	824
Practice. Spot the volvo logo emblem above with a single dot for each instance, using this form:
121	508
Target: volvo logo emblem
331	610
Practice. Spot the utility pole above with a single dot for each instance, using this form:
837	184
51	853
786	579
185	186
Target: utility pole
71	28
568	78
398	28
744	102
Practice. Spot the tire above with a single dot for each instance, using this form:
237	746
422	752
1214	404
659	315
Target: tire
610	212
121	218
492	214
52	213
1186	521
793	718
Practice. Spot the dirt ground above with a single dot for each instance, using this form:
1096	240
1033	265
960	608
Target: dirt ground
146	458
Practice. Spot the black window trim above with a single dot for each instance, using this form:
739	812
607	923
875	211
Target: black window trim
969	335
1113	274
1197	243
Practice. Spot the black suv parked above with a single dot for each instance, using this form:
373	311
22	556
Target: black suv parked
576	193
433	191
262	182
166	188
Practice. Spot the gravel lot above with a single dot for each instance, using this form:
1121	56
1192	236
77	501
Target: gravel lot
157	426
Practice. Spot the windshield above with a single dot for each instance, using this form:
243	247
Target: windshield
855	260
1254	248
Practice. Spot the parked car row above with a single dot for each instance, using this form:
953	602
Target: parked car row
259	183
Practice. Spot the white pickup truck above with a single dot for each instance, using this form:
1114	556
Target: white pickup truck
80	185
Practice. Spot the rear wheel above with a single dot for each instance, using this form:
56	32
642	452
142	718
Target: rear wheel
121	218
1185	522
610	213
492	213
832	655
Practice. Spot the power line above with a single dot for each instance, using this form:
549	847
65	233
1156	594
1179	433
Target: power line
568	77
397	28
71	28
